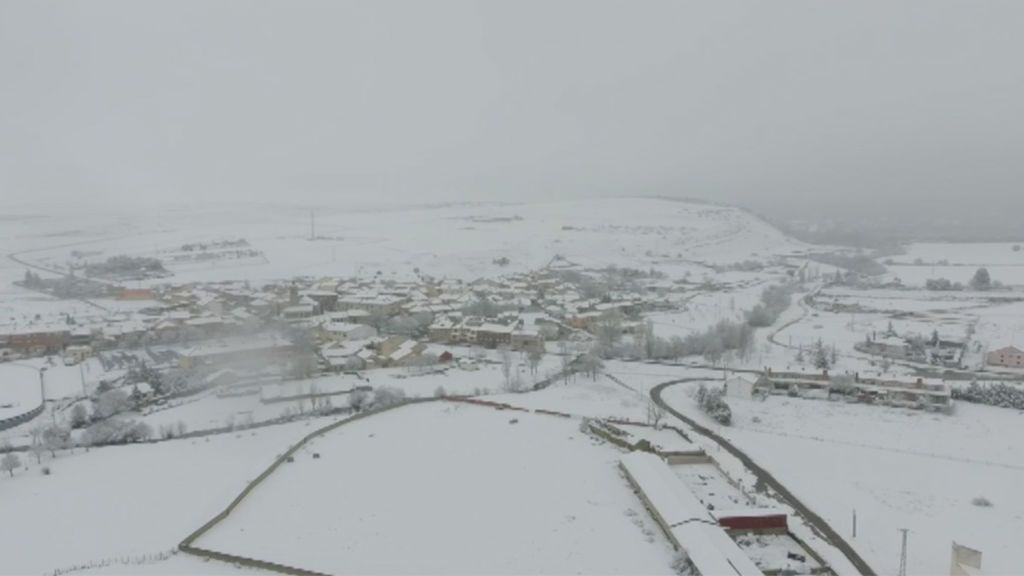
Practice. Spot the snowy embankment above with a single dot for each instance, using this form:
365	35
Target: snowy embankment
897	469
457	489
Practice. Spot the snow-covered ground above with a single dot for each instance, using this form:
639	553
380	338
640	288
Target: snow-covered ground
21	390
958	262
456	489
459	240
391	482
897	469
127	501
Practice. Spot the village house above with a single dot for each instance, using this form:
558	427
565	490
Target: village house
1007	356
325	300
372	303
299	311
489	334
441	330
340	330
35	339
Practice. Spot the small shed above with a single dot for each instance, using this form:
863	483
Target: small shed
739	387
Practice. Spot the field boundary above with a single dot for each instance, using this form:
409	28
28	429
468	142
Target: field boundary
22	418
187	546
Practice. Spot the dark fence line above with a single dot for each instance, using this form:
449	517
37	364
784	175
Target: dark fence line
816	521
186	545
22	418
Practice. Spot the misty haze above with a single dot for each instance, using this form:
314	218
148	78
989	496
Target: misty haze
467	287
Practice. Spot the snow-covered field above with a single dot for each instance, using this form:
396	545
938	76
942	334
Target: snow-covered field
453	489
897	469
210	410
460	240
958	262
127	501
972	253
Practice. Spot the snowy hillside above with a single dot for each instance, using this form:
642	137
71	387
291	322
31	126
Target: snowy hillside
460	240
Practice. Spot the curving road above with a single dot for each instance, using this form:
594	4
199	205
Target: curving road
817	522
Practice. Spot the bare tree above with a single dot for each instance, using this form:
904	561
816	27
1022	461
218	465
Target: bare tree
608	330
591	363
506	367
56	437
655	413
37	448
534	357
10	463
566	354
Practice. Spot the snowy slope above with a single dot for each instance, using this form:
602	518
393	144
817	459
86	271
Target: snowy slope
456	240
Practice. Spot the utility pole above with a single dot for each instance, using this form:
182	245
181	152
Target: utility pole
81	374
312	225
903	552
42	389
855	523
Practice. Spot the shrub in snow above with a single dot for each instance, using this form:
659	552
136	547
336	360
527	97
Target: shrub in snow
45	470
111	402
79	416
116	431
712	402
982	502
358	400
388	396
995	394
842	384
439	392
585	425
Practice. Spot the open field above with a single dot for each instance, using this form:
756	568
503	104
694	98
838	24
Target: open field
458	489
127	500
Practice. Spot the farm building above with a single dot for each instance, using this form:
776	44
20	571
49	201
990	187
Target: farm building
684	519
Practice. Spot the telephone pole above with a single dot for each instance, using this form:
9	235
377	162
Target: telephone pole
312	225
903	552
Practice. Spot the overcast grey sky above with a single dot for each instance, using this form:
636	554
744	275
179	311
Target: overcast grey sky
862	103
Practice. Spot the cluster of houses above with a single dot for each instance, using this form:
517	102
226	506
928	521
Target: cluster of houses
354	323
